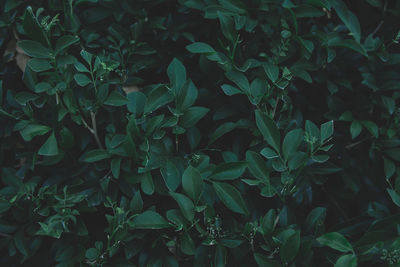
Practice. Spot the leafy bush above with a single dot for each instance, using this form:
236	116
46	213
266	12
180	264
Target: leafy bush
200	133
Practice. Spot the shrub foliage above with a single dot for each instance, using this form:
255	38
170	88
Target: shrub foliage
200	133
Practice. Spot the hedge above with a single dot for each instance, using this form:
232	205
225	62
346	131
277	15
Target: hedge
200	133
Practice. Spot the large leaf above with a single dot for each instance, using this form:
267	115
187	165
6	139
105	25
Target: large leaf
35	49
192	183
177	75
231	197
185	204
348	18
292	141
171	176
150	220
228	171
269	130
336	241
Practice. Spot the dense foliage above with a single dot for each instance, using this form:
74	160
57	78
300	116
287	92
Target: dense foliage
200	133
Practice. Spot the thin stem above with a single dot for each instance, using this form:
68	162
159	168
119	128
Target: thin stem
6	235
94	128
359	142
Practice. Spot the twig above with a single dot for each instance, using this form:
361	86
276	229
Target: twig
357	143
93	129
276	105
381	22
6	235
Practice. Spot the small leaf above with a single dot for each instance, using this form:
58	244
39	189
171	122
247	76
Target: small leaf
171	176
185	204
355	129
349	260
38	65
269	130
192	183
231	197
150	220
192	115
230	90
336	241
116	99
272	71
269	153
82	79
65	41
32	130
200	48
394	196
240	80
371	127
49	148
389	167
326	131
95	155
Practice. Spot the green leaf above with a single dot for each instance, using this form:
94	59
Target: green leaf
221	130
200	48
336	241
82	79
147	183
268	222
136	103
231	197
4	206
187	96
32	130
150	220
227	26
177	75
116	166
50	147
272	71
91	254
230	90
34	49
240	80
192	115
187	245
269	130
269	153
257	166
228	171
355	129
192	183
394	196
314	218
292	141
116	99
38	65
297	160
349	260
351	44
185	204
326	130
389	167
24	97
95	155
348	18
65	41
80	67
264	261
394	153
171	176
32	27
290	248
371	127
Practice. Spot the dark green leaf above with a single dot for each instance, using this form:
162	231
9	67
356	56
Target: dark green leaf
269	130
95	155
228	171
349	260
185	204
35	49
336	241
192	183
50	147
150	220
230	196
290	248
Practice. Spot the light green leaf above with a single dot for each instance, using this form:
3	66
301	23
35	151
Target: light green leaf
326	130
230	90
